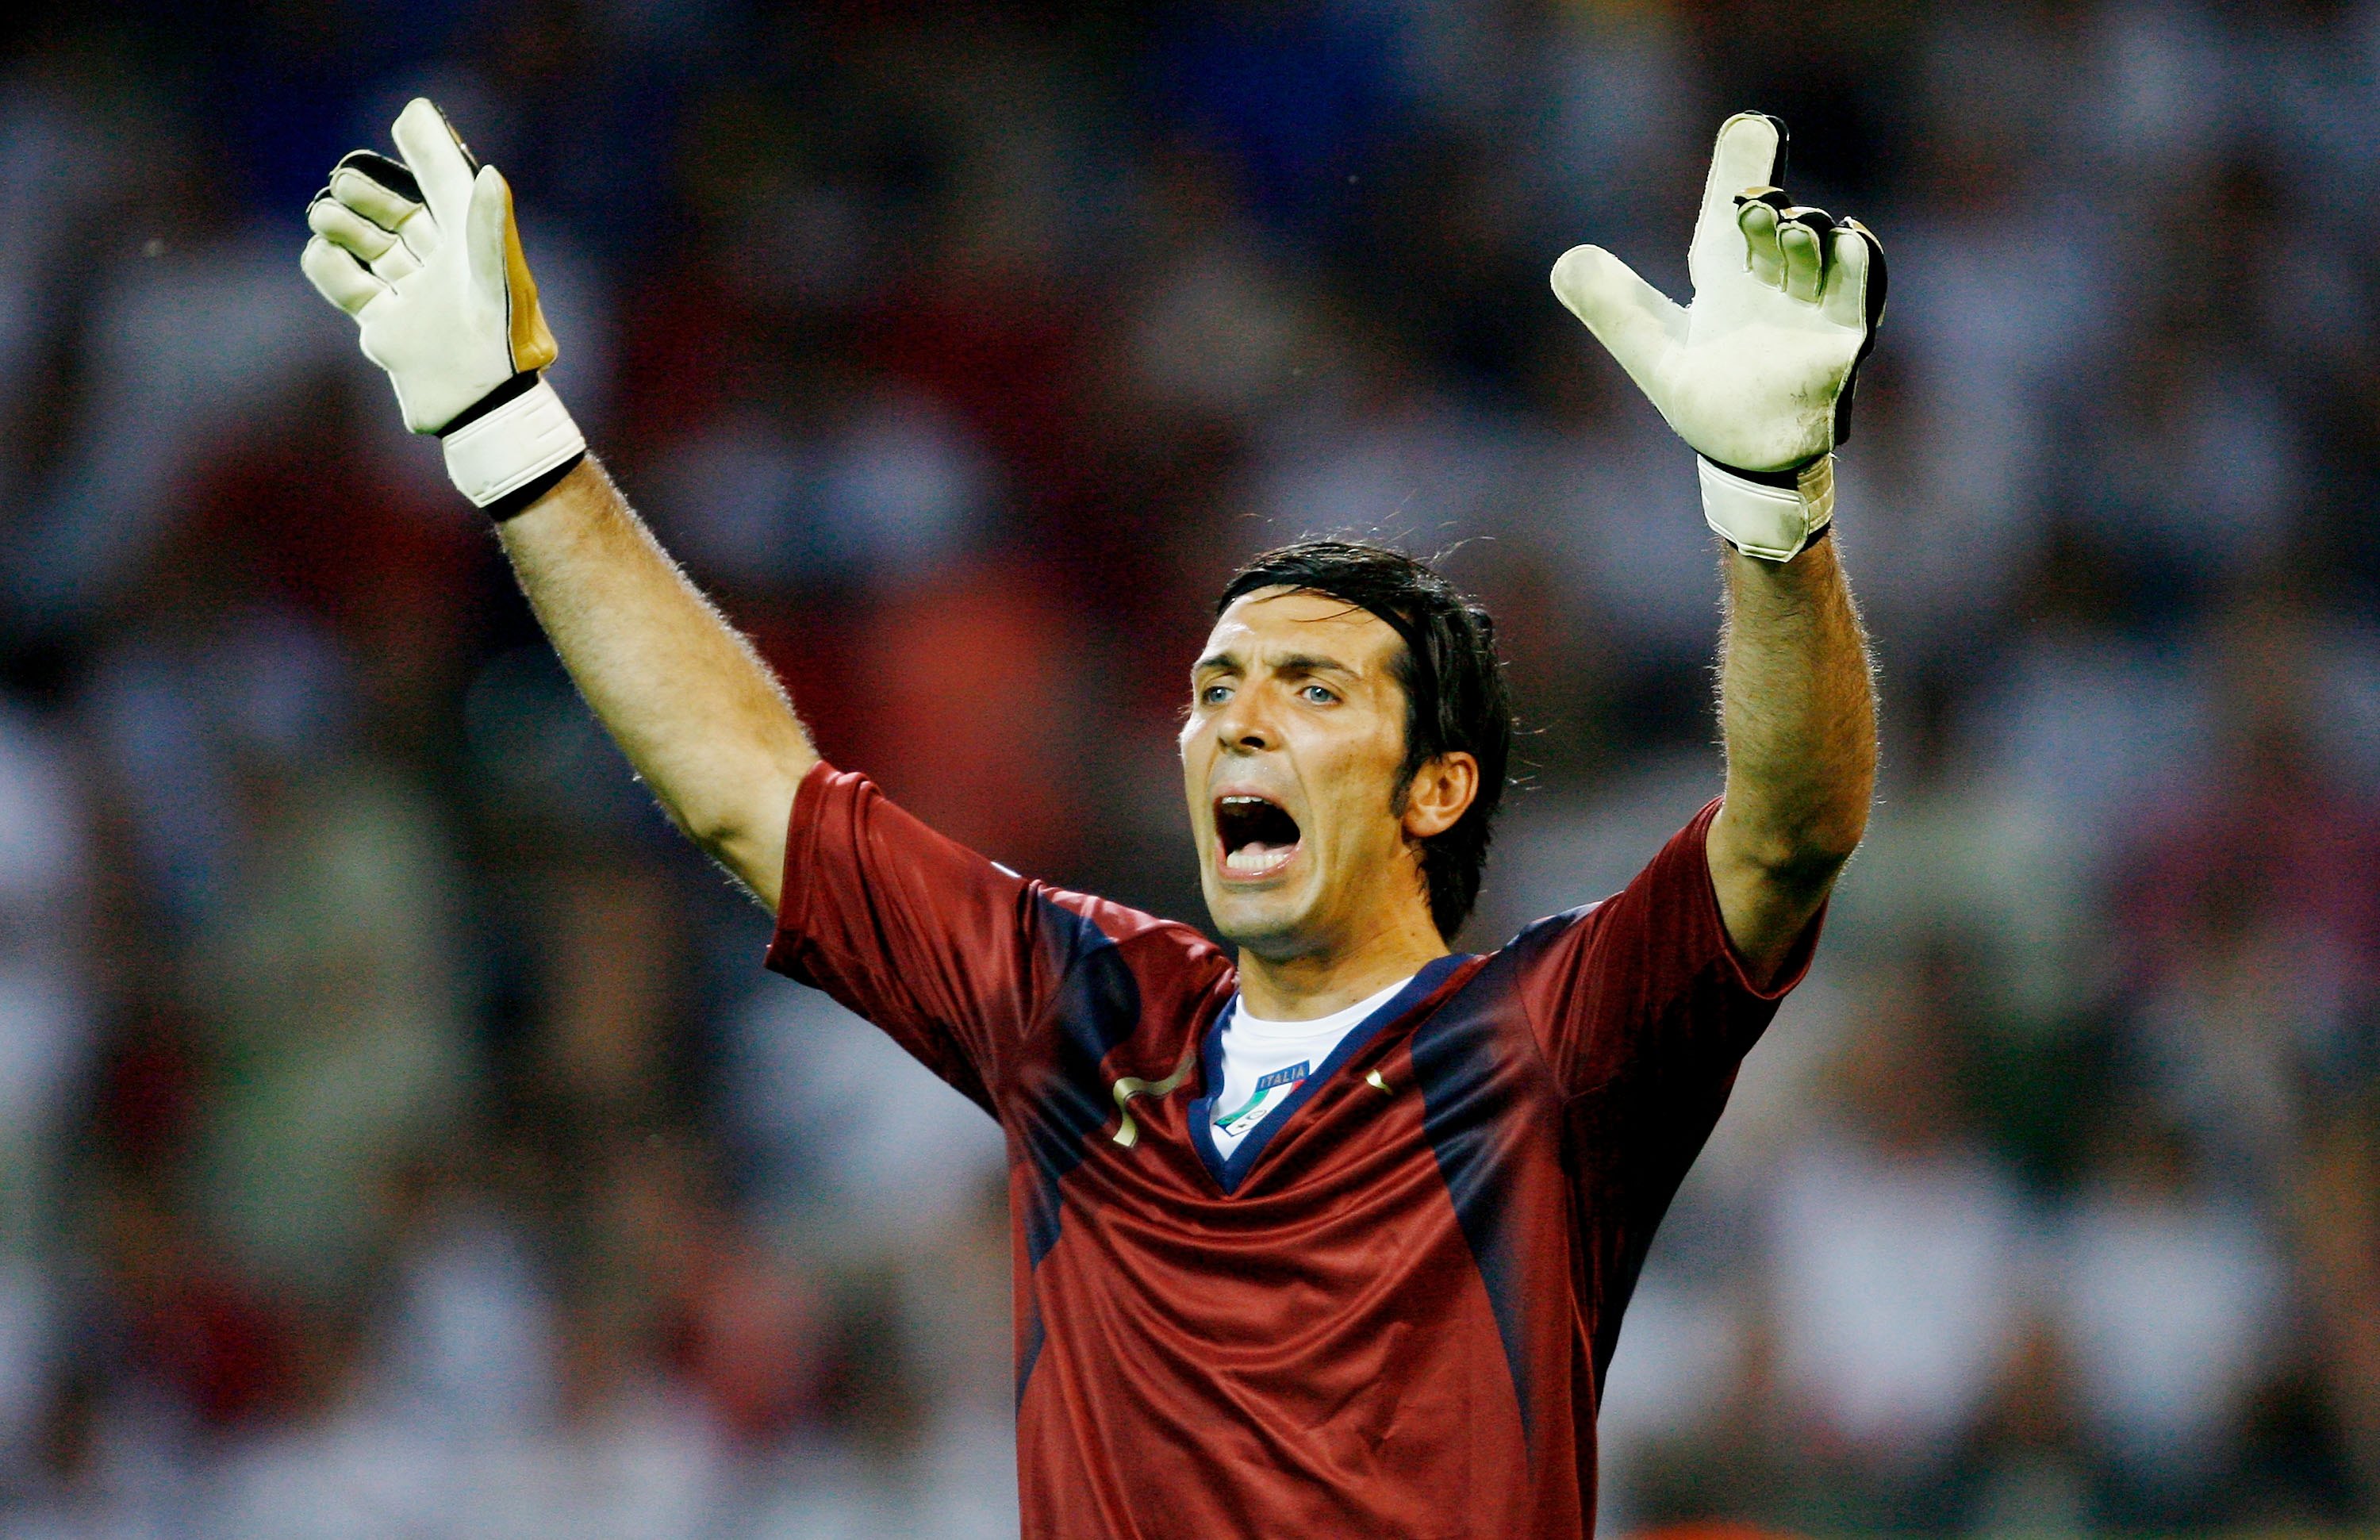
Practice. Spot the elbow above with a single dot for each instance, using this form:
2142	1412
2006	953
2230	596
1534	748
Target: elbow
753	858
720	839
1828	843
1804	854
731	837
1805	869
710	825
746	835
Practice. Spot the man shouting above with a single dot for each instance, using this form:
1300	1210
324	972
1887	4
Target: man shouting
1325	1233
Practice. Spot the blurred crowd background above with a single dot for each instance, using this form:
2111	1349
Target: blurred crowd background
398	1135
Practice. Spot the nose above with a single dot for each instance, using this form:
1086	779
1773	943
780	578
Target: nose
1242	726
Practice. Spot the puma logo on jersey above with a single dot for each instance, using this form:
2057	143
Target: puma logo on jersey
1127	1133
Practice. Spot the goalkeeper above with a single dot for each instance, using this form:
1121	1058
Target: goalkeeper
1329	1230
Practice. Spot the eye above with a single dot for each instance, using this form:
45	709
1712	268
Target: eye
1214	695
1316	695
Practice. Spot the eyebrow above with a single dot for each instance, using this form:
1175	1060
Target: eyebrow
1309	663
1288	662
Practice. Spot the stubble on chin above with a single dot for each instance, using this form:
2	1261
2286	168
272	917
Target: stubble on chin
1275	938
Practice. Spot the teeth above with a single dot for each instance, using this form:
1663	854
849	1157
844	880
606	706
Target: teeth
1252	858
1256	860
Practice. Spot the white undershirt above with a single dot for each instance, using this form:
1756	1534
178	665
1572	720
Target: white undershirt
1276	1056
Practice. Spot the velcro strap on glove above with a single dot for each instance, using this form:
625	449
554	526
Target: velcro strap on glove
1773	518
507	447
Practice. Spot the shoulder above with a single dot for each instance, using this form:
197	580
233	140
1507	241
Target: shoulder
1155	949
1539	935
1118	979
1668	907
1549	942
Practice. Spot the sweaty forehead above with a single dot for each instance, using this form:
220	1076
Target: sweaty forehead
1270	621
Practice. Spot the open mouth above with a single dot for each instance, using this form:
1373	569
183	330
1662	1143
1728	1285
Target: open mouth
1259	838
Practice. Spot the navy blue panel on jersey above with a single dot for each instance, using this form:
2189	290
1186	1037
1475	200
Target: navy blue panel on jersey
1465	1101
1097	1006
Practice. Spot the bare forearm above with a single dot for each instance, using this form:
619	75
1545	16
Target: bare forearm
1798	709
692	705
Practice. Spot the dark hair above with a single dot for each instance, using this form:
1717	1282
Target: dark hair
1455	699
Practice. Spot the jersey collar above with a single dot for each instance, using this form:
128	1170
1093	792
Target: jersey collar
1228	1173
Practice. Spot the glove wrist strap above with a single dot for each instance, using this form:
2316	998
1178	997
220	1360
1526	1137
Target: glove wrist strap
505	448
1774	518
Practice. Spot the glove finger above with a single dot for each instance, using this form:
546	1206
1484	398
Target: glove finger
339	276
436	155
1750	153
380	190
387	255
347	229
1853	300
1636	322
1854	289
395	187
498	266
1804	259
1758	223
1844	300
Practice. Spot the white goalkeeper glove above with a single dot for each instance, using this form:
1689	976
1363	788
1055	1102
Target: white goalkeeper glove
1756	375
423	253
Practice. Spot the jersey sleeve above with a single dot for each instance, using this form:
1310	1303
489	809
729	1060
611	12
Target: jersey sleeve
939	947
1645	985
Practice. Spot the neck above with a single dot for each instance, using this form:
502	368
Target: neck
1314	984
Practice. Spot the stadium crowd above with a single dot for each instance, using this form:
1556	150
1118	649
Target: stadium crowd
398	1133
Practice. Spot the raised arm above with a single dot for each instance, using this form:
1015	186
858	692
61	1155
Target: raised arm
694	708
1799	714
1756	376
423	253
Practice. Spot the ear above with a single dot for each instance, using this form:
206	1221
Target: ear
1441	793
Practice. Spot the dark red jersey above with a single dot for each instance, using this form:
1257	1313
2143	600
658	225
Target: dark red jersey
1388	1313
